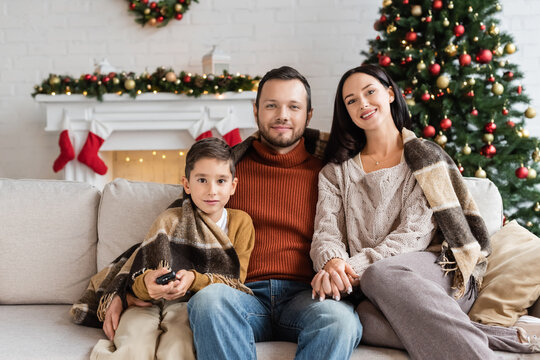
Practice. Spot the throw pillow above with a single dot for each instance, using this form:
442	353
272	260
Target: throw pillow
512	280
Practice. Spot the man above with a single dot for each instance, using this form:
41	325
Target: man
278	177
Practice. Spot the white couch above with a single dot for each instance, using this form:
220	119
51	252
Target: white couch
55	235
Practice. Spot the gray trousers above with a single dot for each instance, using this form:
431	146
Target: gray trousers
411	306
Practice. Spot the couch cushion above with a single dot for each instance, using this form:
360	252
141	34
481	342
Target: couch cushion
512	280
48	239
44	332
489	202
126	211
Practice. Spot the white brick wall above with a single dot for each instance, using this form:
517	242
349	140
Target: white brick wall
321	38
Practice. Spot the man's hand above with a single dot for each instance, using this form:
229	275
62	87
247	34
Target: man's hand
334	280
171	291
112	316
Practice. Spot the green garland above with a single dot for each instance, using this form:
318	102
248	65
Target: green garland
161	81
158	13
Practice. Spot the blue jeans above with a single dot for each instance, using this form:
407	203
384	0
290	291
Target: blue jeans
226	322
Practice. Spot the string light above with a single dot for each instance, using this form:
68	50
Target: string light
128	159
154	153
163	156
181	153
141	160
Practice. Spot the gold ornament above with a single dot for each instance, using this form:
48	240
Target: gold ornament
536	155
475	39
391	28
446	23
498	7
441	139
116	81
178	7
428	43
537	207
152	22
450	5
471	81
530	113
497	88
531	174
54	80
451	50
498	50
493	30
443	81
170	76
410	102
416	10
510	48
525	133
414	81
386	3
487	138
466	149
421	65
470	9
147	11
129	84
480	173
529	224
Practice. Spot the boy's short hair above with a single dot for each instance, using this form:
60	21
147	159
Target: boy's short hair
209	148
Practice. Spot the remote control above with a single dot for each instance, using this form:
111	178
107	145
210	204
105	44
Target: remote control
165	279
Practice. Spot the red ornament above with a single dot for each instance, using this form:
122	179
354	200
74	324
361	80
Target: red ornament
435	69
94	78
87	77
153	5
510	123
112	74
504	111
509	75
378	38
445	123
67	80
397	18
181	1
484	56
437	5
144	2
465	59
482	27
459	30
470	94
407	91
132	6
385	60
382	18
429	131
488	151
408	59
519	89
159	18
425	97
411	36
405	2
178	16
461	169
522	172
106	79
187	79
474	112
490	127
428	19
491	79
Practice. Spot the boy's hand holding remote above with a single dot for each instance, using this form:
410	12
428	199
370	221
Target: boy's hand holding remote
171	291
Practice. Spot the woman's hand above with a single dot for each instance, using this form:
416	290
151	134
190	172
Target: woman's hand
335	279
171	291
112	316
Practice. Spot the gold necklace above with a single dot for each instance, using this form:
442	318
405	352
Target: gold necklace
376	162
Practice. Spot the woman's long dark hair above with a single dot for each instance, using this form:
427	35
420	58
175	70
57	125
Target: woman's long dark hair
346	138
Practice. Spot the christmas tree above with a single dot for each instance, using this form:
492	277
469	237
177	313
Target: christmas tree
451	61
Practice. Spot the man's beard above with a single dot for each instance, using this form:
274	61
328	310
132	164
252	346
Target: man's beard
280	141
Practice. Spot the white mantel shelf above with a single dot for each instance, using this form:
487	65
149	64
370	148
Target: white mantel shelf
148	122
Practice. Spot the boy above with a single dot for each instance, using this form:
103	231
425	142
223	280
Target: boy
200	240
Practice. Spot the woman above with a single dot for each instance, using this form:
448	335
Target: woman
383	196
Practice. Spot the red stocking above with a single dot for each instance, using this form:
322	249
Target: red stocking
89	153
66	149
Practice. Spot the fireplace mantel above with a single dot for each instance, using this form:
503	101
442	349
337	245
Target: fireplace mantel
148	122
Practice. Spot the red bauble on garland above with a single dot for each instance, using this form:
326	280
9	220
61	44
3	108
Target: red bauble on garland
490	127
385	60
425	96
484	56
411	36
465	59
153	5
459	30
522	172
178	16
132	6
474	112
437	5
504	111
187	79
445	123
435	69
488	151
429	131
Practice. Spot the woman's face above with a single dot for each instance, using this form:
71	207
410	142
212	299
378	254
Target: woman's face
368	101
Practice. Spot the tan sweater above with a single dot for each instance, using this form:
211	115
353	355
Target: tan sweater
364	217
240	232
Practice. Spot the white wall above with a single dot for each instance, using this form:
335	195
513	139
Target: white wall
320	38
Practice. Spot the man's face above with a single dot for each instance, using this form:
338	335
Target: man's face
282	115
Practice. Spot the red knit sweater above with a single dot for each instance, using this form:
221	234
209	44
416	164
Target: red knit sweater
280	193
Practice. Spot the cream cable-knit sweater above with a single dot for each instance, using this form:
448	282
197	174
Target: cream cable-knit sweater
364	217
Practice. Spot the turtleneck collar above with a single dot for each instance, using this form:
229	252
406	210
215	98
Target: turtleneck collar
296	156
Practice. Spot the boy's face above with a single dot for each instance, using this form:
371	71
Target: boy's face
210	185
